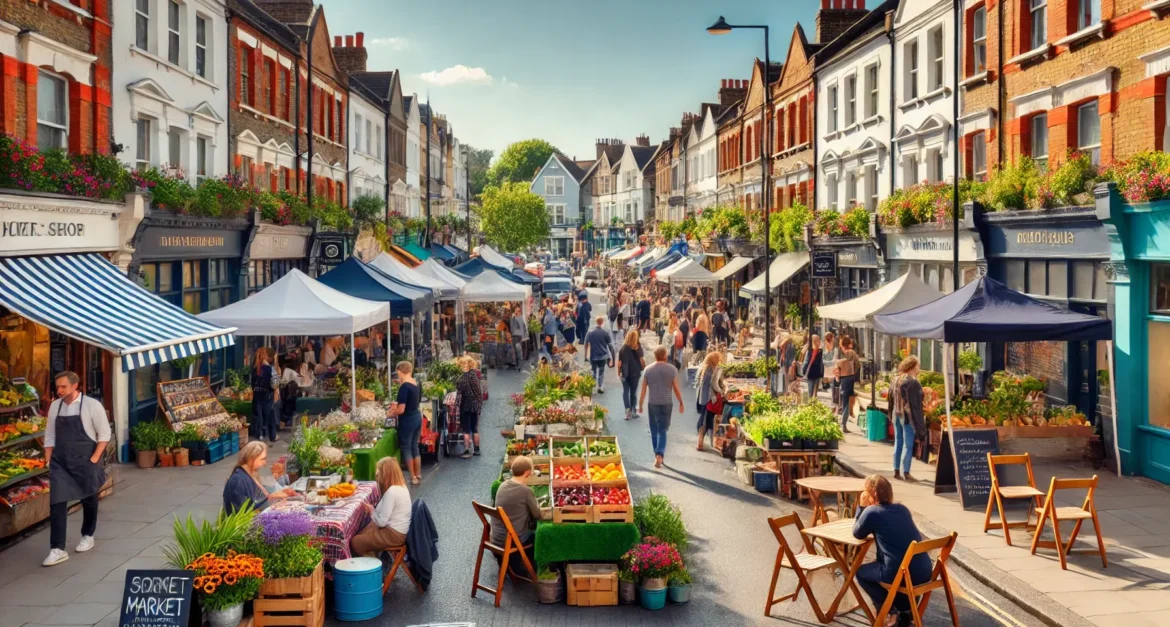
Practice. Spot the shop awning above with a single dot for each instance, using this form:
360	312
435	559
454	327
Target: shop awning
89	299
907	292
411	276
782	269
627	254
419	252
440	251
686	271
612	251
401	255
492	287
662	263
646	257
731	267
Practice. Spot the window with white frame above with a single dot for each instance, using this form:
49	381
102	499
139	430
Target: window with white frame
357	129
142	24
201	157
850	101
378	142
143	131
831	190
979	156
201	46
369	138
174	43
1089	131
979	39
911	56
910	169
554	186
1039	22
871	188
934	165
833	108
52	112
937	58
174	148
629	213
1088	13
1038	126
873	91
558	213
850	190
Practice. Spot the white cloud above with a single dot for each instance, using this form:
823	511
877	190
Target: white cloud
393	43
458	74
508	83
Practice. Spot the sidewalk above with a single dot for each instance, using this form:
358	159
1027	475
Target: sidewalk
1133	591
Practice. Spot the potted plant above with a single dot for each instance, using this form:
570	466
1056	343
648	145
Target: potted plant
208	548
165	442
679	590
293	562
179	446
548	585
653	561
144	437
627	587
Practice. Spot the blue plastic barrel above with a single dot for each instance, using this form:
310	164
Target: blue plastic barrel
357	589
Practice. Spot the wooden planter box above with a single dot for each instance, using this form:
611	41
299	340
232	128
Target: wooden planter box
294	601
1054	443
16	518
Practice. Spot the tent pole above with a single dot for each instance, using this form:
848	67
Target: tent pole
389	361
874	373
352	373
947	427
1113	404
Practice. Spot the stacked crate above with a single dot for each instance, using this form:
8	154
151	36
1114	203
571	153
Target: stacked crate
573	478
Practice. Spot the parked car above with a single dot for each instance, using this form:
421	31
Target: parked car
556	286
591	277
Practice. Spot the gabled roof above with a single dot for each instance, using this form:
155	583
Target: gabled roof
801	40
378	82
570	166
273	28
644	155
407	101
376	97
585	165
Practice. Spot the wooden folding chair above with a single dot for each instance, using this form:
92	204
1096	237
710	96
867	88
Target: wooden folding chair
397	556
511	545
1087	511
939	578
800	563
1001	492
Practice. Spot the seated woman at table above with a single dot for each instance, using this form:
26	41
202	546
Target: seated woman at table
244	486
893	530
390	520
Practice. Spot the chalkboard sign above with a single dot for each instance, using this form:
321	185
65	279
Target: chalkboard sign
156	598
824	264
962	465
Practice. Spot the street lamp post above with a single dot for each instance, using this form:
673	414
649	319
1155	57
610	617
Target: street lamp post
721	27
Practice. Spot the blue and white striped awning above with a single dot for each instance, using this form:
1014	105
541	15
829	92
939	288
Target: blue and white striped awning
88	298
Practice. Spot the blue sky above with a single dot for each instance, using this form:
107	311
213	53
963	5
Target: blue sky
568	71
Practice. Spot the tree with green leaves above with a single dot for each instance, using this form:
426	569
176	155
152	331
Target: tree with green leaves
512	218
520	162
478	162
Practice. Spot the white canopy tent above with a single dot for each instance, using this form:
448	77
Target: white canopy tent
647	257
493	258
440	272
731	267
399	270
490	287
299	305
907	292
627	254
686	270
783	267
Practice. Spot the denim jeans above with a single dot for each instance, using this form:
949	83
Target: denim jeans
903	445
869	577
659	424
58	520
814	386
598	367
630	392
847	384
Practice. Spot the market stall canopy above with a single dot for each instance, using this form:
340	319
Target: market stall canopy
494	258
477	266
397	270
299	305
491	287
419	252
88	298
613	251
783	267
625	255
361	281
436	270
687	271
988	310
646	257
666	261
907	292
441	252
731	267
680	247
401	255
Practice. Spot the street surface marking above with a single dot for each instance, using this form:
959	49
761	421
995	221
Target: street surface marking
988	608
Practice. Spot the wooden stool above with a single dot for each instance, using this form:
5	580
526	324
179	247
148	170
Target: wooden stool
939	578
398	556
511	546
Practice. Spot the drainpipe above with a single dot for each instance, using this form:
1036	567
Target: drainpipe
309	115
297	126
1001	103
893	99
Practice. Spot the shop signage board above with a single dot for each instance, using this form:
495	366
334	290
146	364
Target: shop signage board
331	249
857	257
1073	241
280	242
965	468
156	598
190	243
824	264
937	246
31	225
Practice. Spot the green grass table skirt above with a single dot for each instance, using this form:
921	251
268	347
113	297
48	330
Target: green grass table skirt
583	542
365	460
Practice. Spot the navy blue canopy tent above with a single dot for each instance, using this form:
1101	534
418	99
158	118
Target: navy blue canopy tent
668	260
475	267
988	310
441	252
366	282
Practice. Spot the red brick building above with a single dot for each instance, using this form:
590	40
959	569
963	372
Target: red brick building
55	73
794	107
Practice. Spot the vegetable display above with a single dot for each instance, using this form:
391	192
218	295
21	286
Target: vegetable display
789	422
608	472
611	496
575	472
564	497
569	449
602	448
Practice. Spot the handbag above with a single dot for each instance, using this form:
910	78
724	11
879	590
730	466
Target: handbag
715	405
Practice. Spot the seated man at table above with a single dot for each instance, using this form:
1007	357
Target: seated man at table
893	530
519	503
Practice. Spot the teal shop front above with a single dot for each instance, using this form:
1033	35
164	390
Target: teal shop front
1139	237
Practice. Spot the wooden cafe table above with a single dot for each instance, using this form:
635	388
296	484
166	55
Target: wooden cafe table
837	538
847	489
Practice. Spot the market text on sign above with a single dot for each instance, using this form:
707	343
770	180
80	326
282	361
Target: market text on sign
35	229
151	607
1055	238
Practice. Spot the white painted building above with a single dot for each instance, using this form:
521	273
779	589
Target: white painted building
632	192
702	169
459	175
924	84
853	117
170	85
413	155
367	144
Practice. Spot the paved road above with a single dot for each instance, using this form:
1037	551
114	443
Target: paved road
731	555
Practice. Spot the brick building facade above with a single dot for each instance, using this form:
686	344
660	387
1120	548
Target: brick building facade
59	52
794	107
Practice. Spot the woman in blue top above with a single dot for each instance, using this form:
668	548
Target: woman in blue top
893	530
409	419
243	486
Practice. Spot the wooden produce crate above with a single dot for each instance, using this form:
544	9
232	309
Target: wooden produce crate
591	585
560	440
16	518
604	459
292	602
613	512
570	513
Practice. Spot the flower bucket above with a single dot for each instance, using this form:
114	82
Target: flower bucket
182	459
652	599
627	592
654	583
680	593
227	617
549	591
167	460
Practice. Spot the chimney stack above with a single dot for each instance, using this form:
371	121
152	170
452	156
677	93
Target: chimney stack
350	58
642	140
337	41
361	40
733	90
836	16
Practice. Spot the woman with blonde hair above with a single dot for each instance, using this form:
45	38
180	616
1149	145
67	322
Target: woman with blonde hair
470	404
243	485
677	340
409	419
265	382
909	423
390	520
631	362
710	397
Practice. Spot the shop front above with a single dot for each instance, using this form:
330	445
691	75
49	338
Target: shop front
1139	272
273	252
928	251
192	263
854	273
1058	256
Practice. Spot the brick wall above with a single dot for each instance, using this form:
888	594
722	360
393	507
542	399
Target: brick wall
255	119
1043	360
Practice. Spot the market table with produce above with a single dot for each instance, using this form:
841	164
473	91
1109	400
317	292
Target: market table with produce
339	521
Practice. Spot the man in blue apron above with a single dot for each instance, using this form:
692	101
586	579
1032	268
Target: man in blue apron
76	435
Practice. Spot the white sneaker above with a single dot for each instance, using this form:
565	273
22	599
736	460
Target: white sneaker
85	544
56	556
